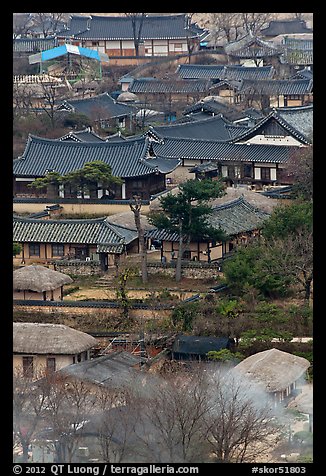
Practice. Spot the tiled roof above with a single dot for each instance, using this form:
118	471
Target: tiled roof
279	27
126	158
235	217
238	216
251	46
199	71
91	231
85	135
303	74
289	127
120	28
299	118
98	107
229	111
210	128
275	86
165	86
33	45
197	149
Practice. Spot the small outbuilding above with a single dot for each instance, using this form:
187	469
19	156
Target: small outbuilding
276	371
48	347
196	347
40	283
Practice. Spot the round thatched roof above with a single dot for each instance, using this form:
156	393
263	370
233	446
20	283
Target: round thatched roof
35	338
274	369
127	96
38	278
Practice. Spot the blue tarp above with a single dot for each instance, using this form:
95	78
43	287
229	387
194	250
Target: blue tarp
65	49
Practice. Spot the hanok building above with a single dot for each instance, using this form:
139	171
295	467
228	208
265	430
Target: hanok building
24	46
102	109
251	50
141	175
160	35
258	165
266	93
40	283
39	348
238	219
277	372
44	241
284	27
219	72
162	93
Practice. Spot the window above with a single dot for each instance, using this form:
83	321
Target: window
34	249
28	366
57	250
95	43
186	254
247	170
50	364
265	173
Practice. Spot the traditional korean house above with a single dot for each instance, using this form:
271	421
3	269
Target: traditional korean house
251	50
238	219
38	348
26	46
102	109
266	93
257	165
162	93
298	53
128	159
40	283
45	241
292	127
275	371
161	35
211	106
219	72
284	27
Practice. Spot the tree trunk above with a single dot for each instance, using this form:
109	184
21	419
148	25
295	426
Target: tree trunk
142	246
178	271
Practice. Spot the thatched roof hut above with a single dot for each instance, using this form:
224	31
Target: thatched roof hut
273	369
35	338
39	279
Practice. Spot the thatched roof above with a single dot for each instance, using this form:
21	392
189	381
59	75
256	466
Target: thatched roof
274	369
35	338
39	278
304	401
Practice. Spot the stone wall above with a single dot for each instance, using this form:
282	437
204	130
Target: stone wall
202	271
84	268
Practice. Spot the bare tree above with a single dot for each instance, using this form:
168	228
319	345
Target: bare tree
226	25
253	22
49	22
116	424
28	410
135	206
68	404
137	21
173	419
240	423
21	25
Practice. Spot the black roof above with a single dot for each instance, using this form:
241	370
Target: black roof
117	28
200	71
210	128
127	158
229	111
102	106
33	45
273	86
154	86
200	345
199	149
297	123
284	27
85	135
251	46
